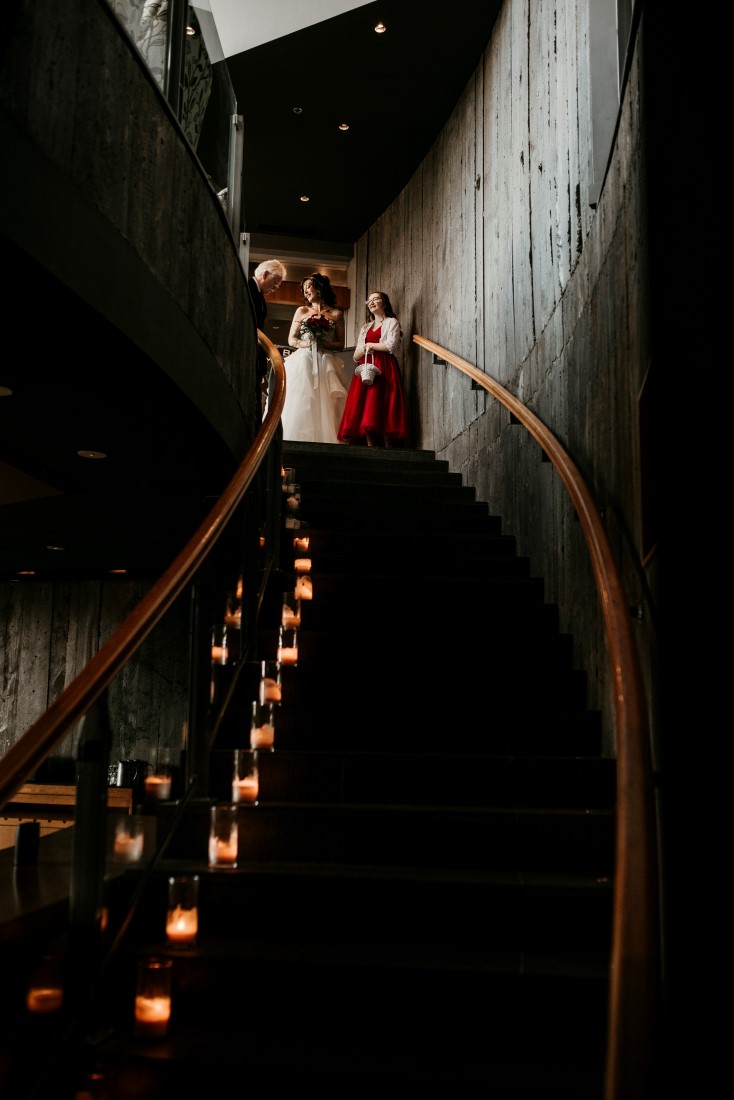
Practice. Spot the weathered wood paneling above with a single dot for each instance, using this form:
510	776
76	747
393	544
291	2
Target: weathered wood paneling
510	268
50	631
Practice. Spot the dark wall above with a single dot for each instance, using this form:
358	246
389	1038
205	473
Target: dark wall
132	323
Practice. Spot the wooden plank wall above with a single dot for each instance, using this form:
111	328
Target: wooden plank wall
48	631
504	262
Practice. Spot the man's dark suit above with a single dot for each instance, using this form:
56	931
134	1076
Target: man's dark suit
261	310
258	302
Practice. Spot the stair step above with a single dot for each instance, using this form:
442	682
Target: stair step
436	546
346	1030
412	836
388	592
442	778
397	514
421	692
303	456
423	896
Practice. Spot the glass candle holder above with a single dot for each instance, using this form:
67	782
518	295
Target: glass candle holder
293	500
271	686
45	992
182	917
158	780
302	565
219	650
291	611
223	836
304	587
129	841
245	777
233	612
301	537
262	726
288	647
153	998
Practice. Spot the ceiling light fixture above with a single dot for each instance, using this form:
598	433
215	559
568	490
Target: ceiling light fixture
52	547
343	125
91	454
305	198
298	110
380	28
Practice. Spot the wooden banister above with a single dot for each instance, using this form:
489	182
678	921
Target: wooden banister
635	956
78	696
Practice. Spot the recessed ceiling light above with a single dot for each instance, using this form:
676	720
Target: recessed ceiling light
118	570
25	573
91	454
52	547
343	125
305	198
298	110
380	28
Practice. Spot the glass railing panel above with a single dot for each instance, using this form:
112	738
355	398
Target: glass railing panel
193	75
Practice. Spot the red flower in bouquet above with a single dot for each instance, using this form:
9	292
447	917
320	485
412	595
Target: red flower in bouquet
315	329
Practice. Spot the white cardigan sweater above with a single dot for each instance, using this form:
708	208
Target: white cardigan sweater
390	336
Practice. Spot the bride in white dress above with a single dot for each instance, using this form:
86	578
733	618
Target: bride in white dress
314	392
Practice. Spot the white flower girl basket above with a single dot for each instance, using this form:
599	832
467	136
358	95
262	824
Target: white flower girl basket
368	370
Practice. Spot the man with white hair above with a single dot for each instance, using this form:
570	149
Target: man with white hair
265	279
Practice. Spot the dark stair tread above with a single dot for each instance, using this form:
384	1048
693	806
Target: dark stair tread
346	569
299	454
456	588
330	540
438	778
398	955
540	881
428	836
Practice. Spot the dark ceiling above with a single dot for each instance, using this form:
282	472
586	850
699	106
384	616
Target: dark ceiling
79	384
395	90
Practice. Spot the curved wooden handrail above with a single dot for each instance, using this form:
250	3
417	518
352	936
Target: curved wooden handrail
635	954
77	697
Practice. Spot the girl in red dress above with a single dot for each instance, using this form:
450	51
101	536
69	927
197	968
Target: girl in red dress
377	413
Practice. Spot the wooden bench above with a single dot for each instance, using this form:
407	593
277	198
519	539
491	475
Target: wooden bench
52	806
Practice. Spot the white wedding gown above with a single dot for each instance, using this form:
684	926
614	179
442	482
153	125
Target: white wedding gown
315	396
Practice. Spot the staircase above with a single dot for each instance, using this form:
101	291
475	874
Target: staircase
423	893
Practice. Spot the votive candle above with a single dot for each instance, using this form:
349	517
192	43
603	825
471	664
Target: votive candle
152	1015
127	848
290	618
182	925
158	787
262	737
43	1000
270	691
304	588
247	789
222	850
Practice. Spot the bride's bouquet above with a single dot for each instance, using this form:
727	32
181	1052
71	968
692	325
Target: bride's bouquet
316	329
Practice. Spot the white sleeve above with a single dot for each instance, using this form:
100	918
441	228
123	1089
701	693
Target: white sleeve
390	335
